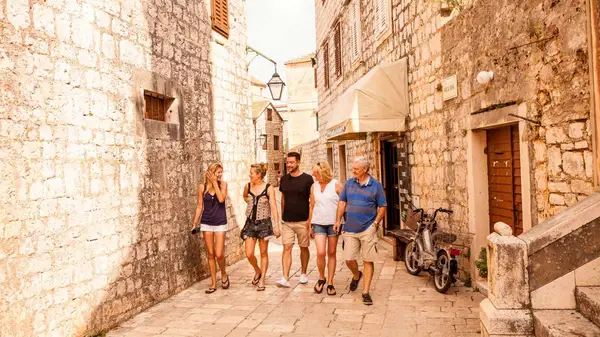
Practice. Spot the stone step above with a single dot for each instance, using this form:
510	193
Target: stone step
563	323
588	302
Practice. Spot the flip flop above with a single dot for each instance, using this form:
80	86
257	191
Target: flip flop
256	280
226	284
210	290
331	290
260	288
319	286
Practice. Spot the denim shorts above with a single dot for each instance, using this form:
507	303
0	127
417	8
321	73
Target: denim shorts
323	230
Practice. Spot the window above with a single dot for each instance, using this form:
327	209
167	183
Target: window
276	143
337	44
220	16
269	114
326	65
382	17
155	106
355	32
276	167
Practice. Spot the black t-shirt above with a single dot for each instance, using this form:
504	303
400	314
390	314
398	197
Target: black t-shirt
296	195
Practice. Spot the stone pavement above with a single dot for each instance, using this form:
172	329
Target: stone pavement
404	305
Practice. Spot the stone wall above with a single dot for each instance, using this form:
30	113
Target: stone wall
549	77
97	201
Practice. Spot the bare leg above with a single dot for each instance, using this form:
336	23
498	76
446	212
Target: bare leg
320	241
210	251
286	260
250	245
304	257
369	268
220	253
264	260
353	266
331	257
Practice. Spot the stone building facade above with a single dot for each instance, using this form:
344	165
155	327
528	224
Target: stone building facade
538	53
98	199
268	138
302	120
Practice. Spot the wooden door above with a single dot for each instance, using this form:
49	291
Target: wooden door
504	177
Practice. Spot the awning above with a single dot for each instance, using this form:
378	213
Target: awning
378	102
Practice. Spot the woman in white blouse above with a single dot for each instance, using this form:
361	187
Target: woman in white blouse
324	198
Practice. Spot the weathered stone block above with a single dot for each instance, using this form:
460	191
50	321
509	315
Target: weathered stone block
17	12
557	199
82	33
554	160
505	322
572	164
43	19
507	280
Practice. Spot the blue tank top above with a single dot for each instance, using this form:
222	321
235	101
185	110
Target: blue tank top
214	213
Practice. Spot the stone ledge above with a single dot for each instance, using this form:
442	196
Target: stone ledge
562	224
513	322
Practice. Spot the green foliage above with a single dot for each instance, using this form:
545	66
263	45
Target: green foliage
481	263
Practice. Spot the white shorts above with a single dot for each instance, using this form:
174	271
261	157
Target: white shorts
211	228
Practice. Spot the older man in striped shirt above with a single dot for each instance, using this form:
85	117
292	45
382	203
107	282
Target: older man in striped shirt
363	200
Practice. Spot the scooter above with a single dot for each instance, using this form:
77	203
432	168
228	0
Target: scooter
425	251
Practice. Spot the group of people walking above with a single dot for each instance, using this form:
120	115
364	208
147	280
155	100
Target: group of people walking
317	207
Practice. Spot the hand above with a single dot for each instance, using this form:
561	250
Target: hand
311	233
277	232
336	226
212	178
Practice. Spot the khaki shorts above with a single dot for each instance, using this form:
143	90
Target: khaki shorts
363	245
289	231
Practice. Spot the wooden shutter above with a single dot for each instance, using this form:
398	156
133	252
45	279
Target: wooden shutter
337	44
326	64
220	16
355	31
382	16
315	77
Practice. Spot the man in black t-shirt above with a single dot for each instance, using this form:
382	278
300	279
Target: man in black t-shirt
295	189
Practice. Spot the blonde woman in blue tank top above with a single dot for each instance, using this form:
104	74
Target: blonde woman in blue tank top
212	215
324	198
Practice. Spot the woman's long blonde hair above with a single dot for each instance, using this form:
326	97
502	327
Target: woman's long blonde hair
212	168
324	170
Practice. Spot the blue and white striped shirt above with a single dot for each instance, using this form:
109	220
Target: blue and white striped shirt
362	202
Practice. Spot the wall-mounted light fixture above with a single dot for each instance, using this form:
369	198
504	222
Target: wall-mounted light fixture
485	77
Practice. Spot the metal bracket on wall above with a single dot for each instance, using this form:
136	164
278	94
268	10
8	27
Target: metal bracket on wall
526	119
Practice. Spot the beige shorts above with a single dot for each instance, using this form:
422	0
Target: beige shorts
289	231
363	245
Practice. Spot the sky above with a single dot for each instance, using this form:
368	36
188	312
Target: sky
280	29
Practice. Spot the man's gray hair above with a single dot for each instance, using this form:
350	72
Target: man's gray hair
363	162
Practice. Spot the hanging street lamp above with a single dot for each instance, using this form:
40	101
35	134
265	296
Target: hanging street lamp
275	84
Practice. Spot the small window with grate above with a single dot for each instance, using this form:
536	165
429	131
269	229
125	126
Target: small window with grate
276	167
275	143
156	105
269	114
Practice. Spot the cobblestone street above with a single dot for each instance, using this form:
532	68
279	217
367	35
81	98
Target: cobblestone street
404	306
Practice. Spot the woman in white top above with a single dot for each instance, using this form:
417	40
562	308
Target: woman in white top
324	198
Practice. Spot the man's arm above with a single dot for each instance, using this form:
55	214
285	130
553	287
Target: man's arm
380	215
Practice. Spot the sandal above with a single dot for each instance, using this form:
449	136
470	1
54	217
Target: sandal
225	284
260	288
319	286
210	290
257	279
331	290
